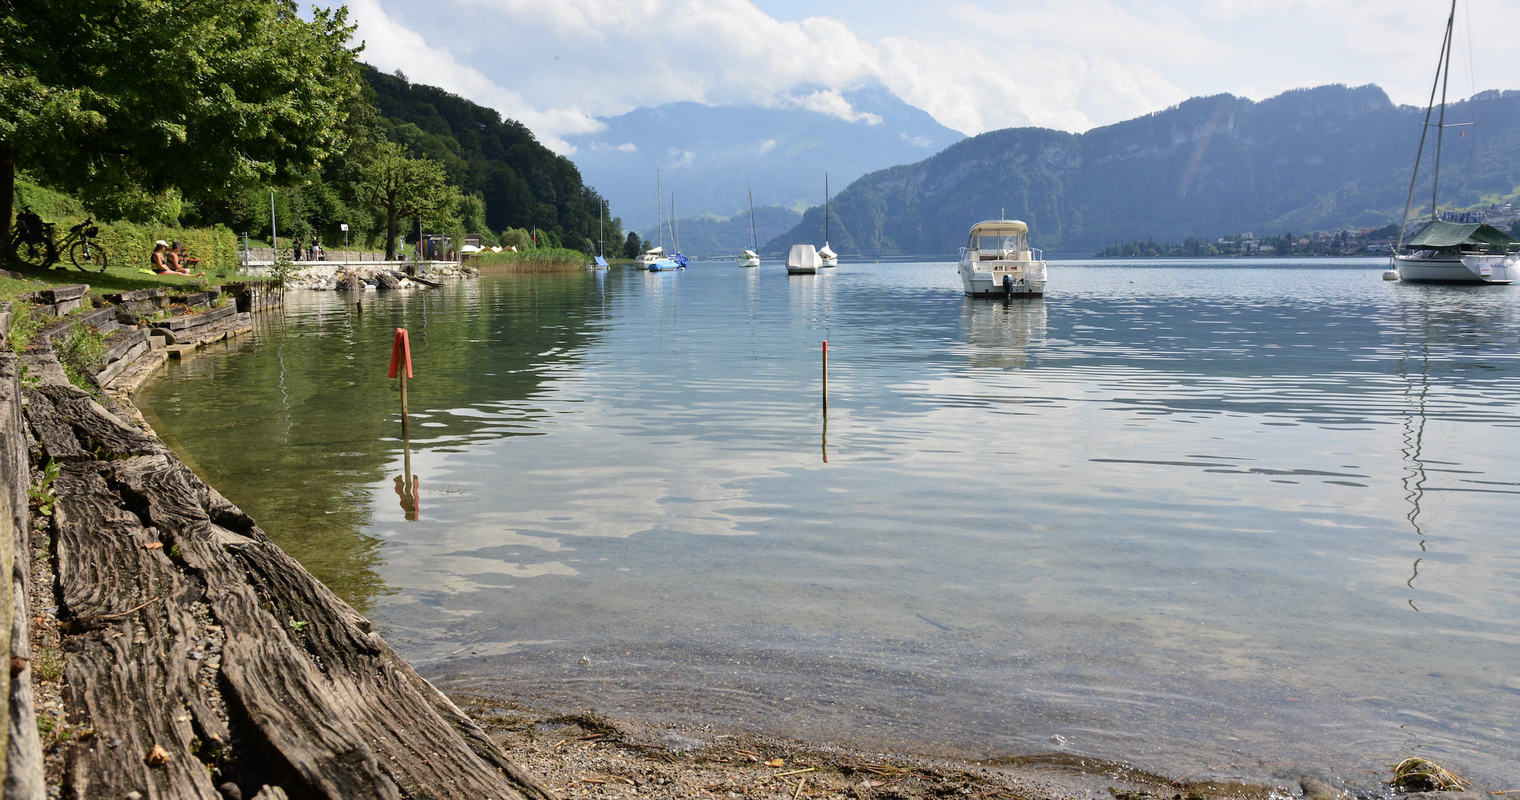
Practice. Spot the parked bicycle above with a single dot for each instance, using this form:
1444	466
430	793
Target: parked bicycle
34	243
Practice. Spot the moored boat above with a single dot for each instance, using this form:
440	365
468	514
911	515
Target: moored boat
1454	247
998	262
802	260
826	257
750	258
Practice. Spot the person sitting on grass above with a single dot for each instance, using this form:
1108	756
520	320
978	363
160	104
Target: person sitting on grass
156	261
176	265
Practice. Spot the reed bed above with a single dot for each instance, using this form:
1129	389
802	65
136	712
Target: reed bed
549	259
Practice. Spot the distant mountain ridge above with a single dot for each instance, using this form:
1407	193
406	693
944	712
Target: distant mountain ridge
707	153
1308	159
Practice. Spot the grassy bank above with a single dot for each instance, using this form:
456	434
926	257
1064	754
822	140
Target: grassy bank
546	259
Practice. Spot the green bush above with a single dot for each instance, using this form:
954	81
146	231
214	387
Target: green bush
82	353
128	245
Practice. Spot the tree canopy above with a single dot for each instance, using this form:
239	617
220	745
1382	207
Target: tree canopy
400	186
111	99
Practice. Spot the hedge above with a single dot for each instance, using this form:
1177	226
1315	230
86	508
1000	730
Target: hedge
128	245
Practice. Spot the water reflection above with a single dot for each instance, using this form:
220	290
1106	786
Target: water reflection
1000	331
1165	511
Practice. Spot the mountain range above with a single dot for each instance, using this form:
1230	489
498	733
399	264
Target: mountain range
707	155
1308	159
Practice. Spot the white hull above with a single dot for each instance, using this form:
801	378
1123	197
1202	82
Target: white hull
830	262
985	278
749	262
1465	269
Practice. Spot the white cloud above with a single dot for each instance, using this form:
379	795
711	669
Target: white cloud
830	102
975	65
917	141
766	146
678	158
626	147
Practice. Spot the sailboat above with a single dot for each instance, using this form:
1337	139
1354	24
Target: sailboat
654	258
826	257
601	237
1454	247
750	258
675	235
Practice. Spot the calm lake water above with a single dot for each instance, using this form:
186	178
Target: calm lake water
1183	513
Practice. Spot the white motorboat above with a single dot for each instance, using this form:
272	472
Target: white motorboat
1454	247
750	258
998	262
826	257
802	260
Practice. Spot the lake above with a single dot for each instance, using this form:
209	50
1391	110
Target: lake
1187	513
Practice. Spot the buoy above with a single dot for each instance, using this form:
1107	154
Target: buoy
1390	274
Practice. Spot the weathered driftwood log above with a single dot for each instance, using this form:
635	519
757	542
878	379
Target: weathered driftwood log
198	653
385	280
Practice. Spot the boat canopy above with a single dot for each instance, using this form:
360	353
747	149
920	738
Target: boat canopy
751	254
999	227
1440	233
827	253
803	255
655	251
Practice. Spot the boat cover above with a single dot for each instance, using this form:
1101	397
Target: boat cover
601	262
803	255
1451	234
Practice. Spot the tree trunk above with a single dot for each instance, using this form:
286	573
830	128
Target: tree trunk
7	201
390	232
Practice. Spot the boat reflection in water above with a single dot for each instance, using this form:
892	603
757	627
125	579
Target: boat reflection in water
999	334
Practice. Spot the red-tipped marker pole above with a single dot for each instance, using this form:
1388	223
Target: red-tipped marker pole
401	364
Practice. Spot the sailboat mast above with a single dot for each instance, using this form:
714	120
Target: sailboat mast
1425	126
825	209
675	225
1435	180
751	216
601	231
659	209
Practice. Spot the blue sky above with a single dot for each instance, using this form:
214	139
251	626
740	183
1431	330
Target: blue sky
976	65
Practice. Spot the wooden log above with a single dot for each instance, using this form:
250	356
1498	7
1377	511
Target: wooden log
385	280
109	372
139	295
426	281
300	697
119	343
59	294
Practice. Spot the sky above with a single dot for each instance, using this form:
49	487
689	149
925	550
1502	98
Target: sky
975	65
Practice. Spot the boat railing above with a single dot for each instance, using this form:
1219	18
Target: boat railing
1039	255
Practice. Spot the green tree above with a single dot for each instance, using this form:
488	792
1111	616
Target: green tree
631	247
397	185
114	99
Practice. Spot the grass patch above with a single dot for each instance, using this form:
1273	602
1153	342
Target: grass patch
544	259
82	353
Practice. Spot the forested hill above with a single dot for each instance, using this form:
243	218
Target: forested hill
1308	159
524	184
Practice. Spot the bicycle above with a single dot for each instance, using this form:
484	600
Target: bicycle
34	244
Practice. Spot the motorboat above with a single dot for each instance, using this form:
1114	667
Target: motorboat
1455	246
651	256
998	262
802	260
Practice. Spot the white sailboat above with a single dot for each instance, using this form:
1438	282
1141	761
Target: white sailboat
750	258
654	258
1453	247
827	256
